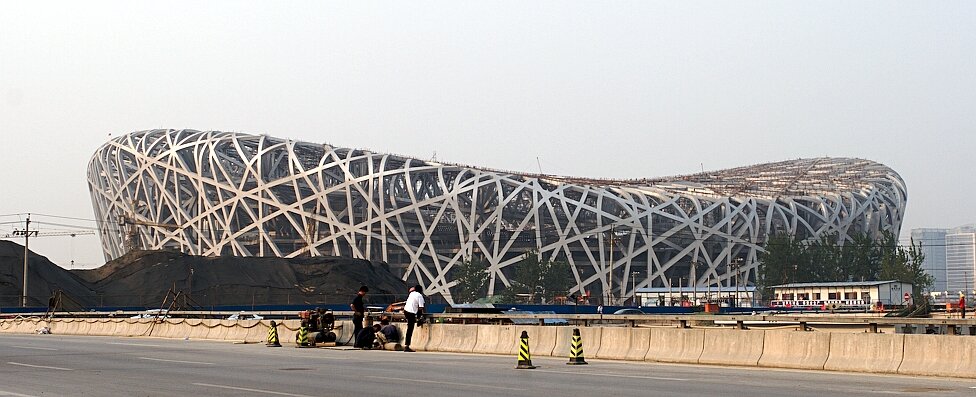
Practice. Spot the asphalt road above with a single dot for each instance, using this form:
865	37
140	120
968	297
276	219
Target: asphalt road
52	365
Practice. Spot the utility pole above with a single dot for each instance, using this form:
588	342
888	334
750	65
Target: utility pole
27	233
612	236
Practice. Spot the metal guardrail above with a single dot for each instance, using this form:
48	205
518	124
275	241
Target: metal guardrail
683	321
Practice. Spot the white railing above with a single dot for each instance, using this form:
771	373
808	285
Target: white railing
826	303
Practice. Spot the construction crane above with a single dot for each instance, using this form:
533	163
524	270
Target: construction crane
128	223
35	233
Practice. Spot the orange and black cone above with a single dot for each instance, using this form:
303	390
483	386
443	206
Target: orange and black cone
273	336
576	349
524	357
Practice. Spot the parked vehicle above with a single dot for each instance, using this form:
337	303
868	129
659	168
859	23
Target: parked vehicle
629	311
153	313
245	316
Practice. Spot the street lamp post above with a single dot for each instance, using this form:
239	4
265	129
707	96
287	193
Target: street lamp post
610	275
738	270
633	286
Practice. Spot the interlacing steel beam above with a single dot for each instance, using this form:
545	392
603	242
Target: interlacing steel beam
246	195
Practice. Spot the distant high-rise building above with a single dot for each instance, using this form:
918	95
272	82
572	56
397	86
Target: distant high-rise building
933	243
960	258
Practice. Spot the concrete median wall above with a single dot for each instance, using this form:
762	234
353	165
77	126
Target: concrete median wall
614	343
495	339
925	355
795	349
881	353
542	340
675	345
453	338
421	336
939	355
732	347
592	338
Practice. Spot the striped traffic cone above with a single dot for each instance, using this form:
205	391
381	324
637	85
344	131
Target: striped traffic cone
576	349
524	358
301	338
273	335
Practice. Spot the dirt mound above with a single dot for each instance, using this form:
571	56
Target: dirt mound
145	278
43	278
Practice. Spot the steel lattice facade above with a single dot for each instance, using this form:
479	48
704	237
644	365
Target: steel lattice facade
222	193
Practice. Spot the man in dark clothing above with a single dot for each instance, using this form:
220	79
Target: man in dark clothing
359	311
367	337
389	331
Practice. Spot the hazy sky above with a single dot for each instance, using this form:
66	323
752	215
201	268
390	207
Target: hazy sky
603	89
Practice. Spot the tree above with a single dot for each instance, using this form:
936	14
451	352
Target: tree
905	264
545	279
788	260
782	259
471	277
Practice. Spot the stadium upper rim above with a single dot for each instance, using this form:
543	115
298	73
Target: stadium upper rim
796	178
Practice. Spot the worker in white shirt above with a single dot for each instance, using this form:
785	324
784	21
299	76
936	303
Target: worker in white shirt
412	309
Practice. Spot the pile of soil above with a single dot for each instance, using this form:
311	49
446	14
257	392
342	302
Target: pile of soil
44	278
146	278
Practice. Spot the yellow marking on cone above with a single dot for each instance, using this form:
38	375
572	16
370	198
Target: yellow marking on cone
576	349
524	357
301	339
273	337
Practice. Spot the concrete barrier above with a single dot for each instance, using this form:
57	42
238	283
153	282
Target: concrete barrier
614	343
259	333
158	330
117	328
421	336
939	355
63	327
795	349
238	333
178	329
675	345
100	328
220	329
590	336
199	330
140	327
495	339
83	327
436	337
542	339
865	352
454	337
732	347
640	343
127	327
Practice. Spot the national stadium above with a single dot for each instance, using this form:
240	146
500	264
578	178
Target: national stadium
233	194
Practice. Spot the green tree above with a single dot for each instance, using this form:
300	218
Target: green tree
904	264
471	278
782	259
788	260
538	278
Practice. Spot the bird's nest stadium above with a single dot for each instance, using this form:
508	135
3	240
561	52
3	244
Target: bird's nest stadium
227	193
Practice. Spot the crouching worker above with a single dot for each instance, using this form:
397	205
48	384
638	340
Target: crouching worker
390	332
367	337
388	336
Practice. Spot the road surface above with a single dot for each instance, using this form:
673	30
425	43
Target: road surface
53	365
